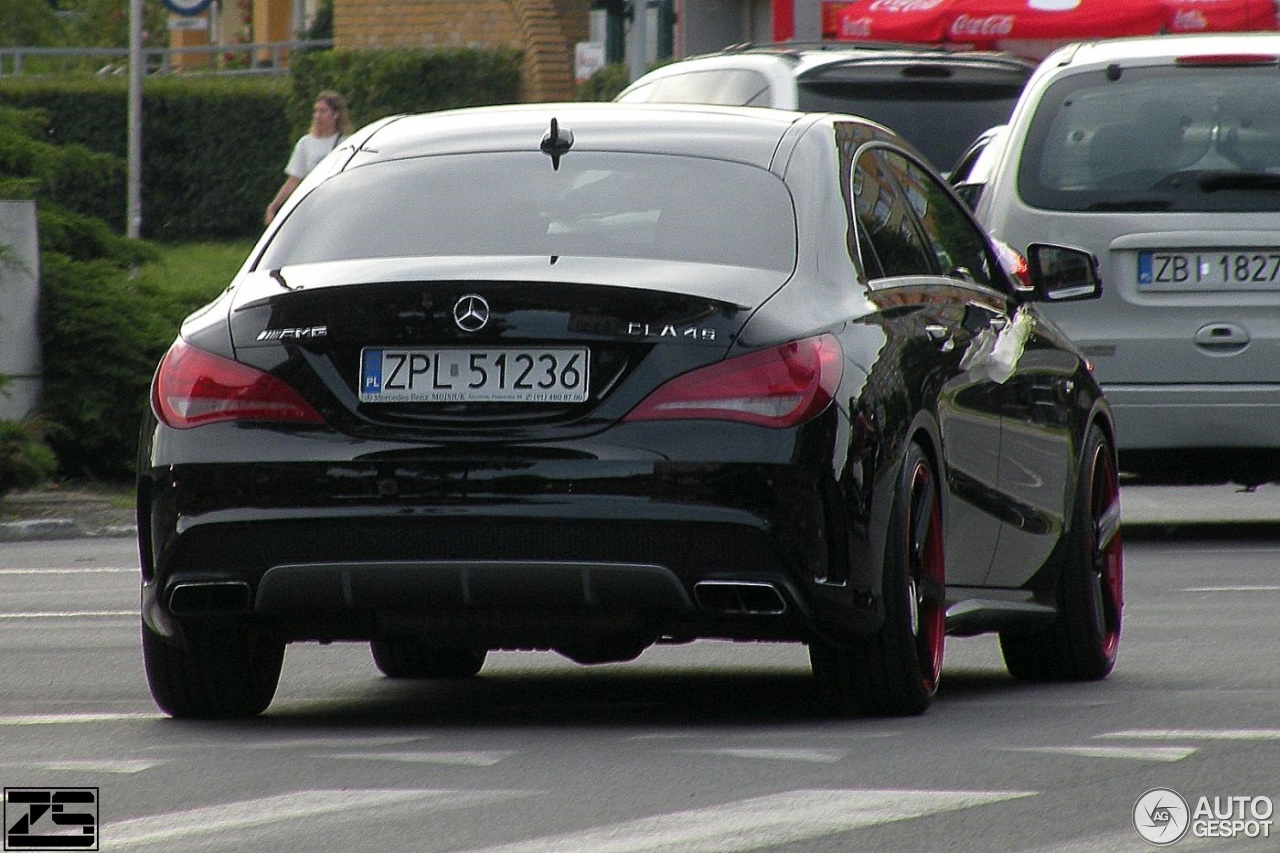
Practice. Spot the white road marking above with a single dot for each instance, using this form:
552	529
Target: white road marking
1136	753
85	570
89	766
62	719
817	756
759	822
461	759
1196	734
1232	589
72	614
247	814
369	742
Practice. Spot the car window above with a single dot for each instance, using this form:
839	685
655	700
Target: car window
884	214
937	117
729	86
595	204
1181	138
969	177
958	246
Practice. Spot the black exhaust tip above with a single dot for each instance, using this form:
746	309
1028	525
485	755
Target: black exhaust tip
740	598
209	597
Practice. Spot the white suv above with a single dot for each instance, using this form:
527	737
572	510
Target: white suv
935	98
1160	155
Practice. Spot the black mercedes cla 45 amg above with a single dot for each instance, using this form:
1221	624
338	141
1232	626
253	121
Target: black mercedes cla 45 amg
587	378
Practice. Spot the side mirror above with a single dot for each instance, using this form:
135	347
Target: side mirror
1063	274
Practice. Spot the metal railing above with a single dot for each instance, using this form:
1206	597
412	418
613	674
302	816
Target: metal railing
248	58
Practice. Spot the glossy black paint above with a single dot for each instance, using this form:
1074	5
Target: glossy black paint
565	527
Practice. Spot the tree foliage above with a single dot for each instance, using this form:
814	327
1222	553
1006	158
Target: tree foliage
29	23
97	333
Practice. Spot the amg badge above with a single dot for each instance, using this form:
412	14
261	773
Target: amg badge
295	334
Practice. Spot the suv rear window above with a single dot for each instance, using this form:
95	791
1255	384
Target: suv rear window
939	116
594	204
1185	138
730	86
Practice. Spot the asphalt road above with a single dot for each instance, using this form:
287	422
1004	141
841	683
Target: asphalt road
709	746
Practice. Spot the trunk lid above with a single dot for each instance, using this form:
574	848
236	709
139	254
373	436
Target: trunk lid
464	319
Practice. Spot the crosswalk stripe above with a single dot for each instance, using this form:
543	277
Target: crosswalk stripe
88	766
816	756
1196	734
249	814
1137	753
759	822
64	719
74	570
73	614
472	758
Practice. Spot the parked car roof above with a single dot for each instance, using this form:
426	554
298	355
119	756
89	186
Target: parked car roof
937	99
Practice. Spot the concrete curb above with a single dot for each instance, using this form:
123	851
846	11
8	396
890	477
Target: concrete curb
49	529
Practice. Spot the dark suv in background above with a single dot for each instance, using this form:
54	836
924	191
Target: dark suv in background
938	99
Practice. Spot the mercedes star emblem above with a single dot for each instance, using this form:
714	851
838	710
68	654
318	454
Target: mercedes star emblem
471	312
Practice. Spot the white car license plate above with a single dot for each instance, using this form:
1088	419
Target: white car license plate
1215	269
507	375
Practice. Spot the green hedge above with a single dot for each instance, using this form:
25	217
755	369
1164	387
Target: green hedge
379	83
214	151
214	148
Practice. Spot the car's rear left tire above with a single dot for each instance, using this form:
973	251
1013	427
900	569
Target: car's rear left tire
410	658
1084	640
217	671
895	672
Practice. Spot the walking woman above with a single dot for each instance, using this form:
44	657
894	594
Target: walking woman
329	124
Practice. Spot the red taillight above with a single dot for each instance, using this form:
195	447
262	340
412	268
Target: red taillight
779	387
1228	59
194	387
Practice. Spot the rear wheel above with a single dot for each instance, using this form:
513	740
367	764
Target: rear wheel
408	658
217	671
1082	643
895	672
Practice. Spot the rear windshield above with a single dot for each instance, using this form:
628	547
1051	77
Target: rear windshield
939	118
1173	139
731	86
596	204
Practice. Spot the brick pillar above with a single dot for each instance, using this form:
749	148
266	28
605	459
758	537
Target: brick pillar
272	21
548	56
189	38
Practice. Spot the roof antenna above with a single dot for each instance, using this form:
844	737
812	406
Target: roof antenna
557	143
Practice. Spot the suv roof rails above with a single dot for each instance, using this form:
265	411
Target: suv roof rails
796	48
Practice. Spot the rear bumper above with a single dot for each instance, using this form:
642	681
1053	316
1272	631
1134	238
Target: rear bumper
1156	417
506	556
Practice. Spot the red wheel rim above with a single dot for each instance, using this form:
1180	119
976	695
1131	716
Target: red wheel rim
1108	553
927	576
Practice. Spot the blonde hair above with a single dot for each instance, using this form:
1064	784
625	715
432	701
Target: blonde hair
338	104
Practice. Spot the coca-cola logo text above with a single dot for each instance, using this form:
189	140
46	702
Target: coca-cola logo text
986	26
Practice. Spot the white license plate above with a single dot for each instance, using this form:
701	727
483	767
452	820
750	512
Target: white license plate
1216	269
507	375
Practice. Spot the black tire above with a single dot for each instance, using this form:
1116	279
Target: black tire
895	671
217	672
1082	643
407	658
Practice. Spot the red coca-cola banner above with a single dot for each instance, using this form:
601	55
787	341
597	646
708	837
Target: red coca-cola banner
985	23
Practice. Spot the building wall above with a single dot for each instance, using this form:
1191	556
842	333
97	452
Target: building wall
710	25
546	30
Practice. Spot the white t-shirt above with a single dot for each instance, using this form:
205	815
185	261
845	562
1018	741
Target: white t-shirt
308	153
